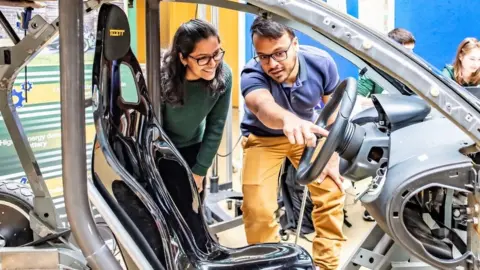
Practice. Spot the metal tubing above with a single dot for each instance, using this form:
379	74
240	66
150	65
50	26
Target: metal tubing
215	166
152	20
117	228
383	245
448	208
302	210
242	35
74	157
8	28
201	12
228	124
229	144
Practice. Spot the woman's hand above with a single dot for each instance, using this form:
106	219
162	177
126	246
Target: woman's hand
199	181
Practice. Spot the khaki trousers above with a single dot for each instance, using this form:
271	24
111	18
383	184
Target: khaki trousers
263	158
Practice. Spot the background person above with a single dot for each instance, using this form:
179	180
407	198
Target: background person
465	67
367	87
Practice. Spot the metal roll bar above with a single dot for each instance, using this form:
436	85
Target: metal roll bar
74	164
152	18
314	18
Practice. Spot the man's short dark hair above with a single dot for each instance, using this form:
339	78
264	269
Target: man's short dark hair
270	29
401	36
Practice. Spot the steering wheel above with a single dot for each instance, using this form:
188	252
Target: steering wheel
346	93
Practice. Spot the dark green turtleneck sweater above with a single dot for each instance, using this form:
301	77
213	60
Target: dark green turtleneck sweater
200	120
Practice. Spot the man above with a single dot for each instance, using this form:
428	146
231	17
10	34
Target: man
282	85
367	87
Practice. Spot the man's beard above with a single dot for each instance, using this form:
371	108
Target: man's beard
290	72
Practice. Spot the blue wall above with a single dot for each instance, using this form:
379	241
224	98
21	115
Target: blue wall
438	26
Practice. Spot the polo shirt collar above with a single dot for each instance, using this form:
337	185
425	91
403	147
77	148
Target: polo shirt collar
303	73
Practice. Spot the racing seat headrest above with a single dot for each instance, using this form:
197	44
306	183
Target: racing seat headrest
116	43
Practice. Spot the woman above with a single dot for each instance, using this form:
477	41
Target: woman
196	88
466	66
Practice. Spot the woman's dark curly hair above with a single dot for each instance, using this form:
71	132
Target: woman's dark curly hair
173	71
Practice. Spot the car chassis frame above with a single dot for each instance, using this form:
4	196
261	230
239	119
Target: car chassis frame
337	31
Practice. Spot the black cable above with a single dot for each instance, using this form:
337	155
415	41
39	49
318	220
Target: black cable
233	149
9	29
305	238
27	15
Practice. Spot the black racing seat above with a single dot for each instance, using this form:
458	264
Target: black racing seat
167	222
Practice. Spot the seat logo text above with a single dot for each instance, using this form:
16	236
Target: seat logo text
116	32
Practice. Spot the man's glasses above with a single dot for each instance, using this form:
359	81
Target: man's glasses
277	56
204	60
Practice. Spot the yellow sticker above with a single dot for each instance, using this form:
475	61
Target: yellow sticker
116	32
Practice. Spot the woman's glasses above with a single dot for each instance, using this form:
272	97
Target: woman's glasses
204	60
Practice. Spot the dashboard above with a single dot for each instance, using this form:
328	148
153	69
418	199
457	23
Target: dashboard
426	168
390	113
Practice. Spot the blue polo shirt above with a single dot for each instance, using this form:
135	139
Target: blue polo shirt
318	77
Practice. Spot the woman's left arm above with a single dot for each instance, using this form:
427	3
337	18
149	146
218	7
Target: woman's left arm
214	126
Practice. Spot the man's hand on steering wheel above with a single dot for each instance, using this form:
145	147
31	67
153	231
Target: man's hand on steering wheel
302	132
327	160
